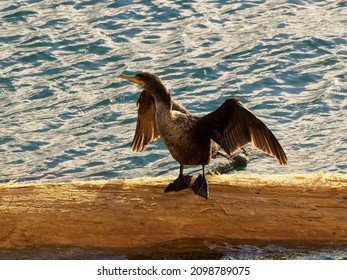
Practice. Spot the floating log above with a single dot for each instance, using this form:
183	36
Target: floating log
133	213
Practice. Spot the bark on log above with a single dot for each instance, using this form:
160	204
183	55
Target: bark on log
134	213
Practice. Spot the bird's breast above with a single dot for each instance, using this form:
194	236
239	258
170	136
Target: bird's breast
180	135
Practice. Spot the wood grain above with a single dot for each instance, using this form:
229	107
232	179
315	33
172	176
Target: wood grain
132	213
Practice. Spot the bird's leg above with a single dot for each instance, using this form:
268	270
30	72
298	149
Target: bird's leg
182	182
200	186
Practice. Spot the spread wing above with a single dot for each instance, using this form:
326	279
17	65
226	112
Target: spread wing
232	126
146	129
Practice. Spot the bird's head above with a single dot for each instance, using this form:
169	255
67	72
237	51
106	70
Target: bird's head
152	84
148	81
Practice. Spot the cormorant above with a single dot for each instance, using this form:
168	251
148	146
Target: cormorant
193	140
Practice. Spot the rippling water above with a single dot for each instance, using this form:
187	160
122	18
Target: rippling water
66	116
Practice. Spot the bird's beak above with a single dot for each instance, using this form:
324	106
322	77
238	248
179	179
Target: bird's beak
133	80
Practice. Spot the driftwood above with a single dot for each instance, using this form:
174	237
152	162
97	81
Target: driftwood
134	213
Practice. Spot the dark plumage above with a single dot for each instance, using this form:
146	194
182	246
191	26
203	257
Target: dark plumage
192	140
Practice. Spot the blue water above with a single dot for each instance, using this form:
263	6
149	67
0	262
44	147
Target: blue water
65	115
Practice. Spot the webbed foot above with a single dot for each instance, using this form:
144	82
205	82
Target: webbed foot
200	186
181	183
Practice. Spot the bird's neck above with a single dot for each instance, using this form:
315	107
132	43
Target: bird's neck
162	99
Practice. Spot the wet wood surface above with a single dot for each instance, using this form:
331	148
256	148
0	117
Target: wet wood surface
133	213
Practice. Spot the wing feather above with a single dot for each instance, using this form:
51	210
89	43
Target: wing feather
232	126
146	129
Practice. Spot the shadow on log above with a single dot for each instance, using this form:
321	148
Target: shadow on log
127	214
